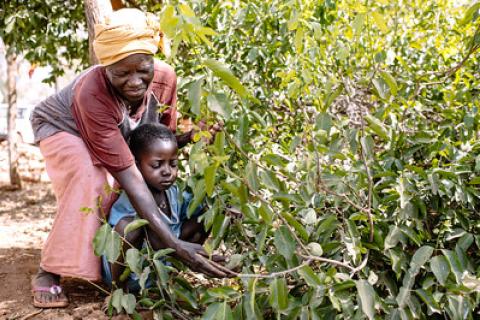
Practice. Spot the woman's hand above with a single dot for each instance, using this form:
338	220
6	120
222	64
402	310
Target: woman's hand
212	130
195	257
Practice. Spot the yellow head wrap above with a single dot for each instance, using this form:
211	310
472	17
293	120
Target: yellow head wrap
125	32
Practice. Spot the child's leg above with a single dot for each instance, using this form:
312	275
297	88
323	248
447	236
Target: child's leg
193	231
134	238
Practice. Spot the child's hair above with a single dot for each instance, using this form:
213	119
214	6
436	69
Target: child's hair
142	137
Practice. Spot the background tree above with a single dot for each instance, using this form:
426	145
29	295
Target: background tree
44	33
95	12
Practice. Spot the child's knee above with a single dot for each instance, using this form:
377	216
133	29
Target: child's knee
132	237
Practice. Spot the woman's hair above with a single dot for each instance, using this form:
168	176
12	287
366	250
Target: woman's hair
144	135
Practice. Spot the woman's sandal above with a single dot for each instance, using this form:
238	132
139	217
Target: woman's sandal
54	290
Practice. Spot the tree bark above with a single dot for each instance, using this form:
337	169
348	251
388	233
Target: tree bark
95	11
117	4
12	70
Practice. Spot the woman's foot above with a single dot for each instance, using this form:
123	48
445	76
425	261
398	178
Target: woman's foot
47	292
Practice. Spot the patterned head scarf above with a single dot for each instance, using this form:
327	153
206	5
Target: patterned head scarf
126	32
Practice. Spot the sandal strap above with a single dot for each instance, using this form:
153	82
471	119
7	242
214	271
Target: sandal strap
55	289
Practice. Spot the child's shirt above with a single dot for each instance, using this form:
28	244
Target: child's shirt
123	208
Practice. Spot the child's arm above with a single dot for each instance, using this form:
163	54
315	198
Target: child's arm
142	200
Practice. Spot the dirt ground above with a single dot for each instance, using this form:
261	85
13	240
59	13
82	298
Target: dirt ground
25	220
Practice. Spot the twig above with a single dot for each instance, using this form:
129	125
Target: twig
243	153
177	313
360	266
370	192
260	197
369	178
274	274
98	287
33	314
331	261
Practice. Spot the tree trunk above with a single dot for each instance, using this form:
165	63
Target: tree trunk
95	11
12	118
117	4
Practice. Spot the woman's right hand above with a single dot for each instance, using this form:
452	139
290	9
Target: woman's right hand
196	258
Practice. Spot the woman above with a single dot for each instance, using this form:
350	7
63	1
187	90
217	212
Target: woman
81	132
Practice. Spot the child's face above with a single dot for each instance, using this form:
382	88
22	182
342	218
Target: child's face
158	164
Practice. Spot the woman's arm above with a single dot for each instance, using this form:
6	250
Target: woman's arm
142	200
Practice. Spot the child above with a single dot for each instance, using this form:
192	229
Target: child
155	150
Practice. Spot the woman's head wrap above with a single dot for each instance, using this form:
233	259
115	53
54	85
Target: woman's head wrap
125	32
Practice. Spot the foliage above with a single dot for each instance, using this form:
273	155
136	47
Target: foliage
351	148
46	32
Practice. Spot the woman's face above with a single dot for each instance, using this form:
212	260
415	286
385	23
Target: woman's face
131	76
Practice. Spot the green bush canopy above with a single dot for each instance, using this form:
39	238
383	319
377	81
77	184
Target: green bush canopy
350	147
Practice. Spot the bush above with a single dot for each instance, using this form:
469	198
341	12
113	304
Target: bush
350	147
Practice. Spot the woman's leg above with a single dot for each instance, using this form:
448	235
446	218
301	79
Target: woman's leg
77	184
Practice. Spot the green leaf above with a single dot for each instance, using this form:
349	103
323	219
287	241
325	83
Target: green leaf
367	298
129	302
162	272
199	192
475	180
278	294
186	10
393	237
220	104
162	253
113	246
284	242
219	227
299	35
134	225
218	311
116	300
252	176
440	268
186	295
266	214
377	126
391	82
357	24
168	21
380	21
295	224
224	73
309	276
428	299
134	260
421	256
458	307
219	143
382	87
455	265
471	14
100	239
210	173
195	95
